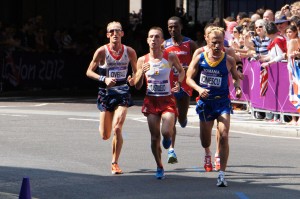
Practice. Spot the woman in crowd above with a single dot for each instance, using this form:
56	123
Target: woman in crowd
236	34
277	50
293	50
258	40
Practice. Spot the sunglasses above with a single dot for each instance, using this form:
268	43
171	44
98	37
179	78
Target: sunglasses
279	23
111	31
235	31
258	27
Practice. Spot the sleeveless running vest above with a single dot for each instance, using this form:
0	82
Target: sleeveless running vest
213	76
116	67
159	78
183	52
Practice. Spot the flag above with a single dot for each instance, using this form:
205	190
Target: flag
294	90
263	80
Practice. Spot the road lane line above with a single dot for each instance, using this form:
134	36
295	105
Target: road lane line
43	104
142	119
84	119
261	135
12	115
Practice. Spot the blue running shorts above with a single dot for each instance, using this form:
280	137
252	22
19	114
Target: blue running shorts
109	102
209	110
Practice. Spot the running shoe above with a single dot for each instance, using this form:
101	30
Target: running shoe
166	143
183	125
207	163
160	173
115	169
217	163
172	158
221	182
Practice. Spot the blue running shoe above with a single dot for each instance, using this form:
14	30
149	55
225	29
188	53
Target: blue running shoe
160	173
183	125
166	143
172	158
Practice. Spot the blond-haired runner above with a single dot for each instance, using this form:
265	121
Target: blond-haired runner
208	75
109	67
239	66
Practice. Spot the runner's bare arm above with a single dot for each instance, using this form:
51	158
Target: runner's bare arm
139	75
97	59
198	52
236	80
133	63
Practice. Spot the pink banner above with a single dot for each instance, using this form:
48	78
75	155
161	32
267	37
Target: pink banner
276	98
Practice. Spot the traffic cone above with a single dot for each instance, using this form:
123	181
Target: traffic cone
25	189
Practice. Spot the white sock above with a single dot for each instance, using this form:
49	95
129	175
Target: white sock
222	173
171	149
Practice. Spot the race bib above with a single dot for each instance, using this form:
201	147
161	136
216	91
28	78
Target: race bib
210	81
158	88
118	73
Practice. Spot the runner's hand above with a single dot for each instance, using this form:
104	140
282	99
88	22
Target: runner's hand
176	88
203	93
110	81
130	80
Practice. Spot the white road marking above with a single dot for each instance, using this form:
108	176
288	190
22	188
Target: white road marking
84	119
143	119
43	104
13	115
262	135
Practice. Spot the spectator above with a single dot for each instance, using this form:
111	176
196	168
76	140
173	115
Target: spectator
261	12
277	50
255	17
240	16
293	45
284	11
269	15
295	20
229	29
235	41
245	22
282	23
295	9
258	42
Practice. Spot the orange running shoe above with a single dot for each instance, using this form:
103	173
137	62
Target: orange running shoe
115	169
207	163
217	163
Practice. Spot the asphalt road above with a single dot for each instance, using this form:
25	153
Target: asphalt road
55	142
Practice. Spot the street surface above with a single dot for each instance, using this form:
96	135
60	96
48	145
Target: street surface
55	142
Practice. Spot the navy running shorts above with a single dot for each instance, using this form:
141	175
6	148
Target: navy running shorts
209	110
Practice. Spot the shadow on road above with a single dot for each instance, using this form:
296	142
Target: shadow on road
139	184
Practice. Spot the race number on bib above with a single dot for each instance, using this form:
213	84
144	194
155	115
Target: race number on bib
210	81
157	88
119	74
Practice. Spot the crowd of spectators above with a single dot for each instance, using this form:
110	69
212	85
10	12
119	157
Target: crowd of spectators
267	37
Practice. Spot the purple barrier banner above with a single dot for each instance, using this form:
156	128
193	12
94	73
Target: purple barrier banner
276	98
244	84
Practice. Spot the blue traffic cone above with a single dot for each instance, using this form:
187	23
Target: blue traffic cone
25	189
